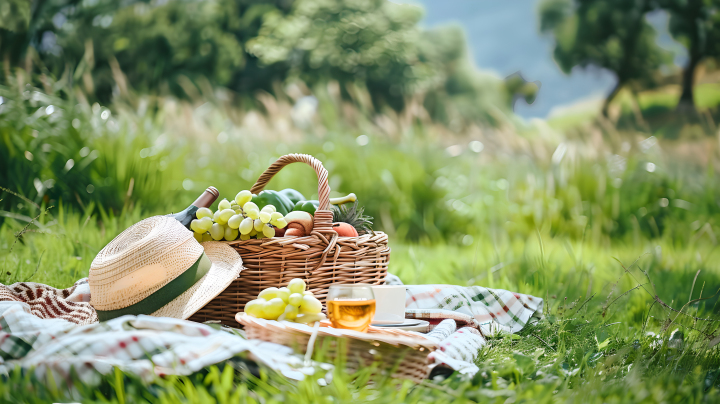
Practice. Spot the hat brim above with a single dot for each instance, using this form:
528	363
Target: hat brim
226	267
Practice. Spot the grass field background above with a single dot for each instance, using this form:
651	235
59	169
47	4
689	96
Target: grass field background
616	228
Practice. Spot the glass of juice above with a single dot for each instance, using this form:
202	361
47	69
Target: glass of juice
351	307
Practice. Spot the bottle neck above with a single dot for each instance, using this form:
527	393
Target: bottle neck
207	198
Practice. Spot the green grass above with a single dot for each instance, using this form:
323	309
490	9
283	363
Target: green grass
707	95
651	110
593	340
616	230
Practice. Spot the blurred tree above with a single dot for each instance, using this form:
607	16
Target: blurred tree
22	25
696	25
172	46
610	34
156	44
14	15
161	46
519	88
374	41
459	93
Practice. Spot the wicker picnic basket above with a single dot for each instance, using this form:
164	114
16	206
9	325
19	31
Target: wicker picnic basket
400	354
321	259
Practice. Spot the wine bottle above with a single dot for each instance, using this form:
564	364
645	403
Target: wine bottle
203	201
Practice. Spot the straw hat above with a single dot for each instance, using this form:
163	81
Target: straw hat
157	267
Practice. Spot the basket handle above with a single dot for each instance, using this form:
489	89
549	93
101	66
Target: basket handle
323	186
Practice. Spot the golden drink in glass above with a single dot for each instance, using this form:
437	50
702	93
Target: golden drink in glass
351	307
351	314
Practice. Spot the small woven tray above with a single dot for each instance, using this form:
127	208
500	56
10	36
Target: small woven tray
403	353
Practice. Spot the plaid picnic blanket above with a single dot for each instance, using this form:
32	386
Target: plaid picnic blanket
461	318
56	330
59	350
488	310
71	304
457	349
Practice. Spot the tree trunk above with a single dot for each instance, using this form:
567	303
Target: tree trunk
692	16
687	100
627	62
611	97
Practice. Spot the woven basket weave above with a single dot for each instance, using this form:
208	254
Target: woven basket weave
321	259
401	354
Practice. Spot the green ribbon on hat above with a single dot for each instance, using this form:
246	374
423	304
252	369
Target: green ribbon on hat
165	294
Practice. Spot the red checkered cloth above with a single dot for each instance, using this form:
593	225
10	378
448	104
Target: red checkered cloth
71	304
57	350
55	332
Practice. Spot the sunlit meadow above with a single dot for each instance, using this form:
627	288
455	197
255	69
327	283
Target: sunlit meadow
617	230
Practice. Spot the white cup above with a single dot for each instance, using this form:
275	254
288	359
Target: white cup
389	304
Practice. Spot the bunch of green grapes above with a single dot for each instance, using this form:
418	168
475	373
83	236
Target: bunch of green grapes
239	218
292	303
